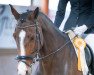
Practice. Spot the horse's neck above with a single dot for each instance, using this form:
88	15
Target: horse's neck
58	63
53	39
52	42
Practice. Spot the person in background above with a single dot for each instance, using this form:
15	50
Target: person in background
80	10
88	27
81	15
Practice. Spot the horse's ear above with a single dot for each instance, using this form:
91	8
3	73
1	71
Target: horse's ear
14	12
34	14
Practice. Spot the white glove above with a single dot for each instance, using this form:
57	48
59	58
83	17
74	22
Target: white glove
80	30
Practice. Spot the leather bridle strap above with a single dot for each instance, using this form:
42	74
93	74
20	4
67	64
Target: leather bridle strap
26	26
24	58
29	65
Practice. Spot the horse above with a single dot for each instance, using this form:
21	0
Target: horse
38	39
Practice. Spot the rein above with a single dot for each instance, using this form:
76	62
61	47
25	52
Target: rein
38	59
41	58
26	26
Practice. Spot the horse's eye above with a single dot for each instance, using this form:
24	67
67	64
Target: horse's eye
32	38
28	36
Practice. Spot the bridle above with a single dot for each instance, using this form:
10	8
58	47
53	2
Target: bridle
37	56
37	48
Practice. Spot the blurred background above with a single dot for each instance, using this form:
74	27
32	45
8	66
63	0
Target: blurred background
8	52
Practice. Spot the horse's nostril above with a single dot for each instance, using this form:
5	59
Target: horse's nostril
26	72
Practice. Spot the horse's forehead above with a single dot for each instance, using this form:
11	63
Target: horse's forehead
23	16
22	34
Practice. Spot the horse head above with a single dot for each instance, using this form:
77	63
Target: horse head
28	37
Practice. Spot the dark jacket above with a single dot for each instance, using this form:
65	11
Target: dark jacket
80	11
90	22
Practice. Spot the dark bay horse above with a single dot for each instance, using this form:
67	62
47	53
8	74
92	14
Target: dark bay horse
36	37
